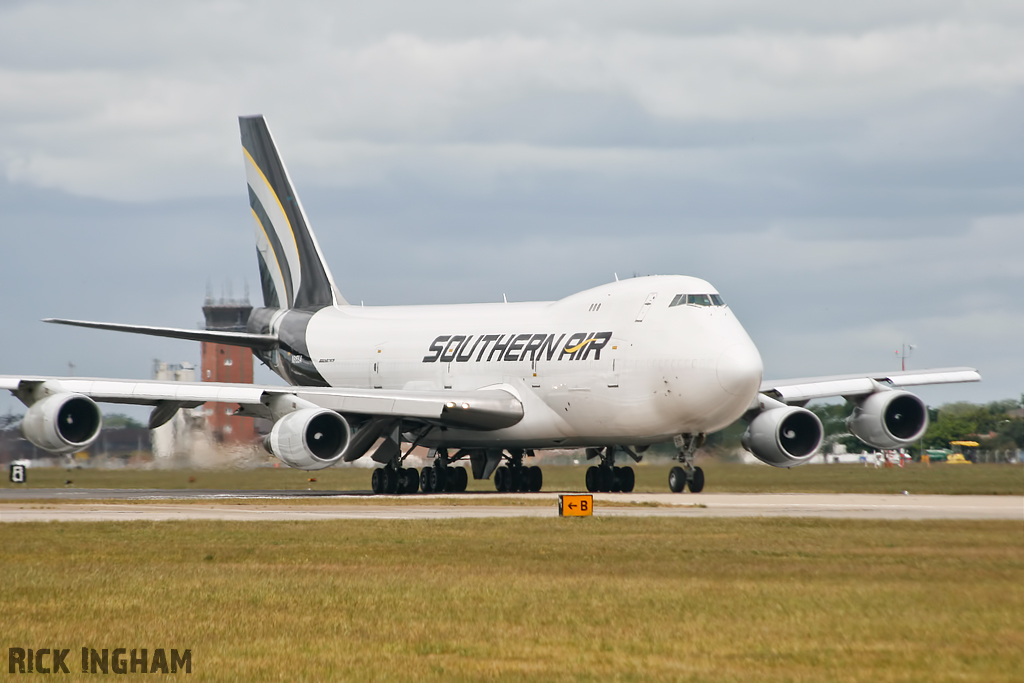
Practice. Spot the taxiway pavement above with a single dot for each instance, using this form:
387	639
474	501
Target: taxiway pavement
23	505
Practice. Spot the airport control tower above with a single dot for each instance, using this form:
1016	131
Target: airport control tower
221	363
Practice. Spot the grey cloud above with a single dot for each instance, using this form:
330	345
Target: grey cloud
848	176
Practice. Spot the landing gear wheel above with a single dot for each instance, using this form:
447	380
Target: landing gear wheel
390	478
375	482
626	479
516	479
427	480
411	483
593	479
617	479
501	479
605	475
677	479
461	478
696	484
535	477
440	479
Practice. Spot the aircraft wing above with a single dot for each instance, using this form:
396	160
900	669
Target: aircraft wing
484	409
799	391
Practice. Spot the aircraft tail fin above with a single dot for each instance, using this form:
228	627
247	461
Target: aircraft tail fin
293	272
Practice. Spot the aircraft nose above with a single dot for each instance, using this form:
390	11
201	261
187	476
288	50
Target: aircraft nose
740	369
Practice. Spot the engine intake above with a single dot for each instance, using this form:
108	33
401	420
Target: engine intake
784	437
889	419
309	439
62	423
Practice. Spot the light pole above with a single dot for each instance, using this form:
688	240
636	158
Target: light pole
906	349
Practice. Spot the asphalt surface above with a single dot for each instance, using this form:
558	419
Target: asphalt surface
162	504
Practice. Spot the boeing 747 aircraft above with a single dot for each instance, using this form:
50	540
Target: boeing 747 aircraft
612	369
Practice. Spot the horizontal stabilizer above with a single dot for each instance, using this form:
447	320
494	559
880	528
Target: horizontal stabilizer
258	342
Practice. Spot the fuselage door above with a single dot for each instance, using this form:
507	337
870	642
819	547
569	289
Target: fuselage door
648	302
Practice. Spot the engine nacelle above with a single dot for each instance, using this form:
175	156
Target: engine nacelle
309	439
784	437
62	423
889	419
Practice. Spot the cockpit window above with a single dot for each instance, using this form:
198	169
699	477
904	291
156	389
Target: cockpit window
697	300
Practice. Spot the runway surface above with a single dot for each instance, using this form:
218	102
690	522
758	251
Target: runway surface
155	505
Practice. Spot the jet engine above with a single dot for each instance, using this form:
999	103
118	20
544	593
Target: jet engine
784	437
62	423
309	439
888	419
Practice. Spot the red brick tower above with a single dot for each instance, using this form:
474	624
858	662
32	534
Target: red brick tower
223	363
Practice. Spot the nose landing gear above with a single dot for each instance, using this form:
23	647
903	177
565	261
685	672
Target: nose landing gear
687	475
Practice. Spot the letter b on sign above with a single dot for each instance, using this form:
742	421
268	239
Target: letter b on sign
17	474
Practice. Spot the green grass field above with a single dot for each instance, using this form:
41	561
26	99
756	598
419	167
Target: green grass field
595	599
915	478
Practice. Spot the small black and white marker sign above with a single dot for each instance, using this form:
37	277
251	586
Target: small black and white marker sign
18	474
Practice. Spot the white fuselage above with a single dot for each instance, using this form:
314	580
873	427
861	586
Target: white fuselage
611	365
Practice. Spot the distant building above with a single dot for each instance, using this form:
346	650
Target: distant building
222	363
176	437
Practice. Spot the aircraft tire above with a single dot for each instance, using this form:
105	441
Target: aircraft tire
615	480
412	480
440	479
499	479
461	479
535	476
627	479
593	479
677	479
375	482
517	479
697	483
390	480
427	480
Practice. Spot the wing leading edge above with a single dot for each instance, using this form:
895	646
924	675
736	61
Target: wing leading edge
484	409
798	391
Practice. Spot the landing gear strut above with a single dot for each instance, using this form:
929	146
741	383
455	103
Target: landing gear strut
687	475
606	476
518	477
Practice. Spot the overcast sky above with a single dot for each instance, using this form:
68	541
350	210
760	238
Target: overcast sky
849	176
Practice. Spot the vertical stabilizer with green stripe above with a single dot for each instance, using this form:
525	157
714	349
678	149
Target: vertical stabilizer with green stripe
293	273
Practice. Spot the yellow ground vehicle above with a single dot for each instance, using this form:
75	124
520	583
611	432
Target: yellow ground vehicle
959	457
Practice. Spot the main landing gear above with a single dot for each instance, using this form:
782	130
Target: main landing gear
435	478
440	478
687	475
606	477
395	479
518	477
